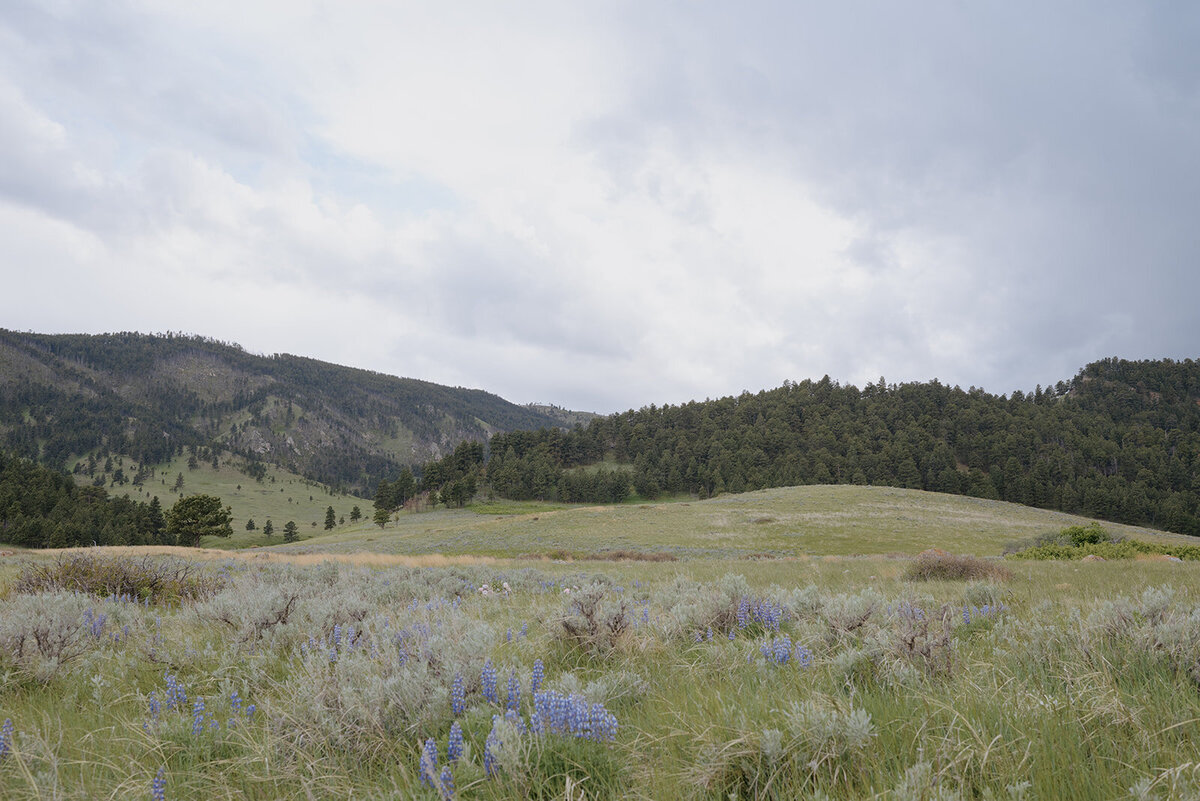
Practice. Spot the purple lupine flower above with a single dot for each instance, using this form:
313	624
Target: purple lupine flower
488	679
514	692
158	785
446	783
539	675
235	708
198	716
572	715
491	764
155	707
454	748
458	695
429	763
6	738
176	694
518	722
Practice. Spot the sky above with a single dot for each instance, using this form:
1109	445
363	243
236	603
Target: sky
608	205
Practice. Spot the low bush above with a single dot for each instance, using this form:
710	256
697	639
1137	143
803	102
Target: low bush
41	633
145	579
954	567
593	620
1127	549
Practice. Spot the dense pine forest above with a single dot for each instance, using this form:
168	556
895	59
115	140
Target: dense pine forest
1120	442
44	508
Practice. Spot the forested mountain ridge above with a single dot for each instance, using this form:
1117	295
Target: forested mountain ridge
148	396
1120	441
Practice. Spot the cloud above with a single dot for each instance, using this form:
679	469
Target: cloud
610	206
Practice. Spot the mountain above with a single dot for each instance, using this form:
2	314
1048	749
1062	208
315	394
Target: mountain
66	397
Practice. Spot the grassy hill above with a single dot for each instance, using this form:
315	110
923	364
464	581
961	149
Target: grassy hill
281	496
786	522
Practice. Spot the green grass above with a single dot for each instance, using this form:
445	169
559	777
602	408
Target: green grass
280	497
794	521
1084	687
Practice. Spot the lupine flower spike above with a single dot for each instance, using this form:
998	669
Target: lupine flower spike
158	786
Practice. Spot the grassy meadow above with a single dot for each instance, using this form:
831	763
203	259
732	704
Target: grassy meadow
842	520
783	654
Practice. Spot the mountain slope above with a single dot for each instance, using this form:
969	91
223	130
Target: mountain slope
148	396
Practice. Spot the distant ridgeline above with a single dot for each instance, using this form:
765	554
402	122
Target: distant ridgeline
65	398
1120	442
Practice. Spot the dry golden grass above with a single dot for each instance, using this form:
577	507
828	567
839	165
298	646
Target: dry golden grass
362	559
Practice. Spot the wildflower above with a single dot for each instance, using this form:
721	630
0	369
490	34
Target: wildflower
518	722
155	708
491	765
562	714
524	629
447	783
176	694
250	710
508	637
158	786
514	691
429	763
458	699
539	675
198	716
488	679
6	738
454	748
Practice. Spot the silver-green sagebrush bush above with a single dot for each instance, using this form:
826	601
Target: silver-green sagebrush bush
41	634
725	688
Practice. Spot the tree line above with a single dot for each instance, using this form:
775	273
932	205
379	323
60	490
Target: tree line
1120	442
44	508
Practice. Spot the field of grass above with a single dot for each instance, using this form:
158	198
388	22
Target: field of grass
792	521
813	674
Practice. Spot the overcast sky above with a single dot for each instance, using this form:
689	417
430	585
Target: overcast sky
607	205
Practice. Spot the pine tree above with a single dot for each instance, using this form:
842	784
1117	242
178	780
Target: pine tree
330	518
268	528
290	531
355	514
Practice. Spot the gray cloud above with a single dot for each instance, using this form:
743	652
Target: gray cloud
607	208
